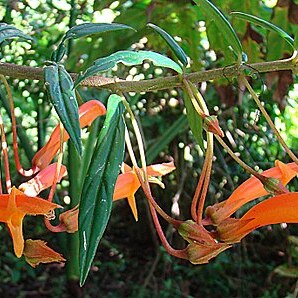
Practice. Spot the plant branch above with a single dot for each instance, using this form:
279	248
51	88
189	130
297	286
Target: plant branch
36	73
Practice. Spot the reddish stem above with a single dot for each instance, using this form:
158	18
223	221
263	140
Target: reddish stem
182	254
19	167
145	186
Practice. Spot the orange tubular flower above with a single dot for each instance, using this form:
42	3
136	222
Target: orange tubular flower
128	183
14	207
37	251
88	112
279	209
42	180
250	190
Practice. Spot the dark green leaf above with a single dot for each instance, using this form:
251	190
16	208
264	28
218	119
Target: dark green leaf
180	54
60	87
267	25
84	30
9	31
296	40
128	58
99	183
212	13
195	122
87	29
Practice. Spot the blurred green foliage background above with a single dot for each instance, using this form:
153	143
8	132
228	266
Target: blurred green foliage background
130	261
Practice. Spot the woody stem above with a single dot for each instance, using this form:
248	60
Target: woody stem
268	119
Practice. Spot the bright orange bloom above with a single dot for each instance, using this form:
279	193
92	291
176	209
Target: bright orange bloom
250	190
279	209
88	112
37	251
14	207
43	180
128	183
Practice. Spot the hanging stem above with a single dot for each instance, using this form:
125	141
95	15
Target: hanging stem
19	167
198	201
268	119
138	137
237	159
144	186
182	254
209	155
5	156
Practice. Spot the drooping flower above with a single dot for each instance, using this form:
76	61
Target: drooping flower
37	251
14	207
128	183
278	209
88	112
42	180
250	190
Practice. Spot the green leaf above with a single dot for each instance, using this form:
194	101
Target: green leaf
9	31
180	54
296	40
84	30
179	125
61	93
128	58
267	25
99	183
195	122
87	29
212	13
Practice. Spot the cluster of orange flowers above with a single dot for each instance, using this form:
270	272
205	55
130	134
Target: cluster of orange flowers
203	244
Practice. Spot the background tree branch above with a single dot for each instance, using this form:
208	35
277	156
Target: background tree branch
36	73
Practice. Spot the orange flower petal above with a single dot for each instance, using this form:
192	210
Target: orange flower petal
161	169
88	112
250	190
133	206
279	209
37	251
126	185
14	207
42	180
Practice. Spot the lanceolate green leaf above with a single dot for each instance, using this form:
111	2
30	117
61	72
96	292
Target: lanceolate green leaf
223	25
128	58
84	30
9	31
180	54
99	183
267	25
195	122
61	93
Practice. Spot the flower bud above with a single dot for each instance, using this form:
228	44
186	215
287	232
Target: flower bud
211	125
273	186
